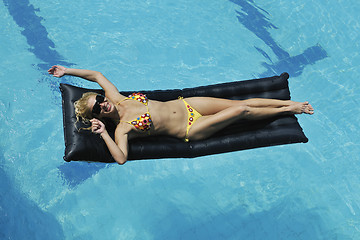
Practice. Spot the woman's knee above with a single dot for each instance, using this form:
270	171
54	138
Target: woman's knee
242	110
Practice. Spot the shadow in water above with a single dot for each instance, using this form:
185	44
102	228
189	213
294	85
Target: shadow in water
289	219
35	33
21	218
24	15
253	18
74	173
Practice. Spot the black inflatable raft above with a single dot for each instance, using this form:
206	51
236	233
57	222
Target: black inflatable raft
86	146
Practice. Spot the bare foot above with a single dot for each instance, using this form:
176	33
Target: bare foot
301	107
308	109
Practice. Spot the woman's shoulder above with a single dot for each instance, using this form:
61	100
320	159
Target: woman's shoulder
115	97
123	128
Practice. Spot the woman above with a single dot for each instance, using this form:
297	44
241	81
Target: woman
192	118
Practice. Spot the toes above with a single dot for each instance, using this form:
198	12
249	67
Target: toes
310	110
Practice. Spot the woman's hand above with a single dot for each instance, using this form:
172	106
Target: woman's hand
97	126
118	152
57	71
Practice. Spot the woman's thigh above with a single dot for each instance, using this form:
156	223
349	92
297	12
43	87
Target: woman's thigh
209	105
206	126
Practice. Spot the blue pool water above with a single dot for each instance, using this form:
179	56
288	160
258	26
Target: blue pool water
299	191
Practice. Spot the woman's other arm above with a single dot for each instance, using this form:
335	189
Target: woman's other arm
120	156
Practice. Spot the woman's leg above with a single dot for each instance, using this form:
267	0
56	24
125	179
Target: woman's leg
205	126
209	106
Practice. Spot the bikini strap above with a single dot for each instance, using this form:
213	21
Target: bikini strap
139	97
126	98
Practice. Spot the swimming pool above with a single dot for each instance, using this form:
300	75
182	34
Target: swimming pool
299	191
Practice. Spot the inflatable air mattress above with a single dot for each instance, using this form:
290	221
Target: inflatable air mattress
86	146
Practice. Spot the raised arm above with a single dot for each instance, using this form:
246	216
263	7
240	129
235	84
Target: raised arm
94	76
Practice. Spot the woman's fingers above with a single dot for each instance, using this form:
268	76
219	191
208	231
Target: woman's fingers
56	71
94	120
95	125
95	128
52	69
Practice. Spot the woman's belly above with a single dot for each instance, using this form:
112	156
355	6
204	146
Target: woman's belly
169	118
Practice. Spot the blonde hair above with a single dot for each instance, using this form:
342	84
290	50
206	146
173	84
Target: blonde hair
82	111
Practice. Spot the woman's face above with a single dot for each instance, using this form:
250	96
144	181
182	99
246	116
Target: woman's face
100	105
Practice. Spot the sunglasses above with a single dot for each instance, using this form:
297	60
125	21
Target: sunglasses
97	108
